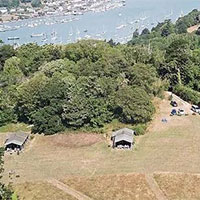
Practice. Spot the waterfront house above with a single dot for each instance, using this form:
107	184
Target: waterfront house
12	10
3	10
123	138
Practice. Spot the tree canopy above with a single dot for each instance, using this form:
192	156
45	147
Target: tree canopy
89	83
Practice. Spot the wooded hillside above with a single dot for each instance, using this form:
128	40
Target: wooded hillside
90	83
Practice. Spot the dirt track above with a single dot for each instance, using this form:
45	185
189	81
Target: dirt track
68	190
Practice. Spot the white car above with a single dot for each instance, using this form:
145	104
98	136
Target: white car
195	108
181	112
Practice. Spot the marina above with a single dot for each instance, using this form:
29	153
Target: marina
104	20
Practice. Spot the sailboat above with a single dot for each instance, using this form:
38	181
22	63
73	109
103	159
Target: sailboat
182	14
44	39
78	34
54	35
71	32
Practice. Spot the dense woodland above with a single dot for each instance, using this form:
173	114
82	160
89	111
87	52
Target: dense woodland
88	84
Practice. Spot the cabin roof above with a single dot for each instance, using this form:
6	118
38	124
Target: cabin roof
124	134
125	131
124	137
16	138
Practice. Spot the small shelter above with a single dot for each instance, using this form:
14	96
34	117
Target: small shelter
16	141
123	138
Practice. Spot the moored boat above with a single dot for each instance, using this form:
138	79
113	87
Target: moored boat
37	35
13	38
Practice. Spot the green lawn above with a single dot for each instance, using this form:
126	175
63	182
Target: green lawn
14	127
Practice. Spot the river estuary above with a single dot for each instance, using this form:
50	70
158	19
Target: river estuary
118	24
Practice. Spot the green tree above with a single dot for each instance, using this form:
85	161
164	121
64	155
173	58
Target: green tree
143	76
6	51
32	57
133	105
178	62
46	121
12	73
28	99
60	66
86	105
145	31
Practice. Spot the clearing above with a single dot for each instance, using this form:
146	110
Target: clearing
85	162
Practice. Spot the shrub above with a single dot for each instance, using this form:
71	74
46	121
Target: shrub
187	94
140	129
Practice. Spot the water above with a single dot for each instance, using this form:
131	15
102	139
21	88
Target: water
117	24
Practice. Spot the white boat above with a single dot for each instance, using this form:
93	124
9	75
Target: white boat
87	36
143	18
182	14
54	35
121	26
44	39
13	38
71	32
37	35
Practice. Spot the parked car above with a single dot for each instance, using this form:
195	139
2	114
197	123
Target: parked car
174	103
195	108
173	112
181	112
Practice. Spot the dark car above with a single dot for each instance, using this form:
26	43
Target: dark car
173	112
174	103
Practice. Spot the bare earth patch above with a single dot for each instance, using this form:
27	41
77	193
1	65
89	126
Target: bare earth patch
118	187
179	186
71	140
193	28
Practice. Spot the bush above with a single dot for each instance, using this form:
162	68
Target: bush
140	129
187	94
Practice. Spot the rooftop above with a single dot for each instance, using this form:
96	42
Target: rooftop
16	138
126	131
125	134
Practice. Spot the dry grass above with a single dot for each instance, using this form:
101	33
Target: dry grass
172	147
116	187
179	186
40	191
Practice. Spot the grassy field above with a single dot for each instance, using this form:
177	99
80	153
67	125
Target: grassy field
14	128
118	187
40	191
179	186
166	147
